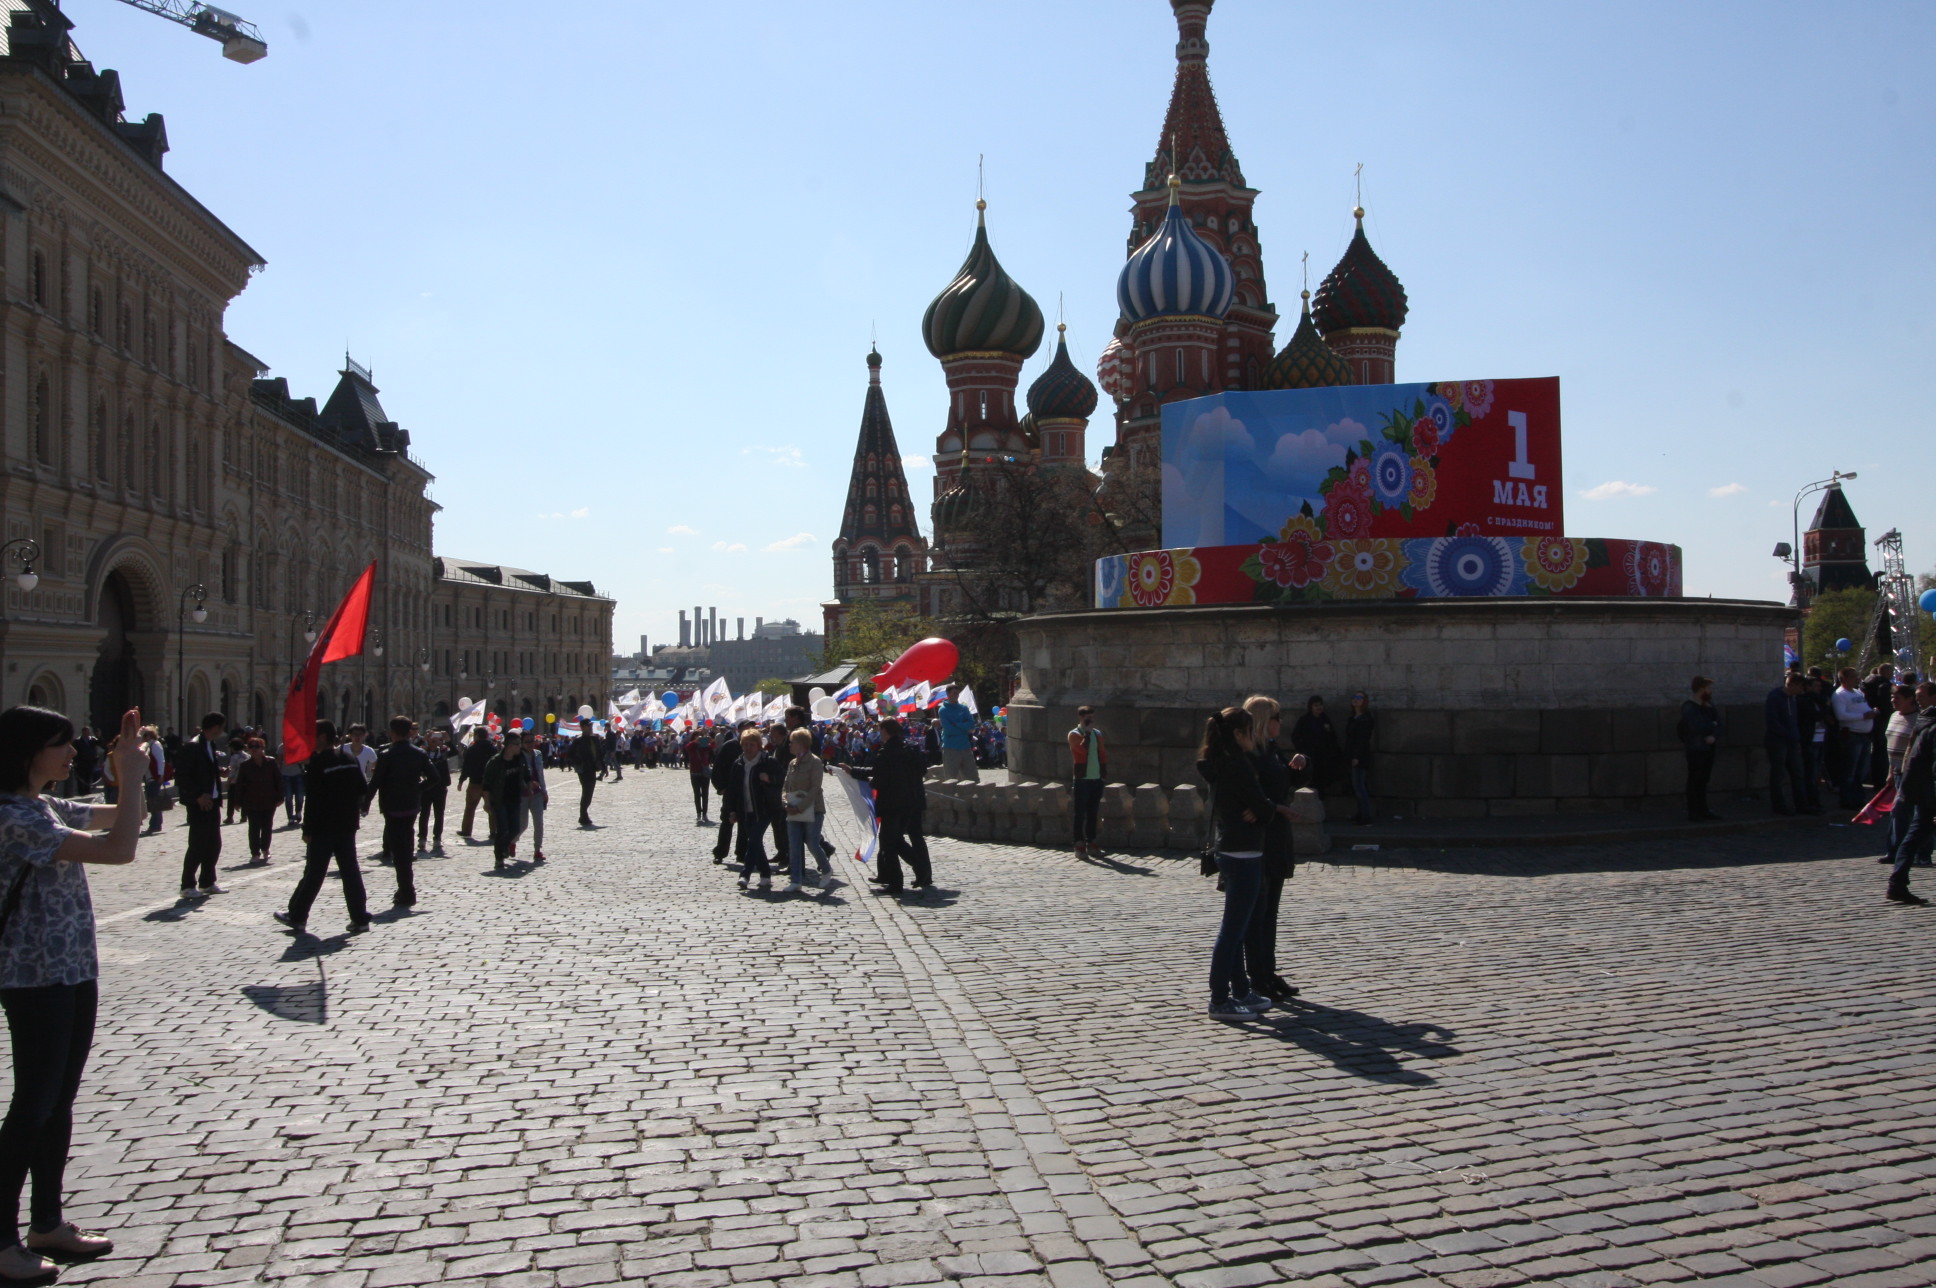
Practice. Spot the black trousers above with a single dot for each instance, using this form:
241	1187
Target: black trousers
752	847
700	786
322	847
52	1029
1260	941
723	843
1700	768
433	803
204	844
900	837
398	832
510	823
585	780
262	825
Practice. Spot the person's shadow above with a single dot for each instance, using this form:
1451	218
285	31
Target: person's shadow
1361	1044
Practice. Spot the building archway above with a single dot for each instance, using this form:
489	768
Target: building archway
117	682
47	691
198	701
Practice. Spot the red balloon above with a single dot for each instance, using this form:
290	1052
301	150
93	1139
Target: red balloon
932	659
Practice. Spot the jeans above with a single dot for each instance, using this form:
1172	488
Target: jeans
533	818
1915	844
262	825
433	803
324	846
1260	942
801	833
505	819
585	780
52	1029
204	844
700	783
1243	882
901	834
1855	764
398	832
1088	803
1361	788
292	798
752	848
1785	766
1700	768
151	790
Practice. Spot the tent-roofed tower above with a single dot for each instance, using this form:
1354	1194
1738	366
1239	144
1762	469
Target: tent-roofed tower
880	548
1835	552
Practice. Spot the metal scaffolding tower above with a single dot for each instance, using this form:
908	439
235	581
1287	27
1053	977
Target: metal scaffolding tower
1894	624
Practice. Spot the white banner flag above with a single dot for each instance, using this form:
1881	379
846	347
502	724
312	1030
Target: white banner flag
717	699
967	699
468	713
860	799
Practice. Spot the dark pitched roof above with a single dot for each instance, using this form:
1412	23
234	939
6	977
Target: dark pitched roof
877	461
1834	512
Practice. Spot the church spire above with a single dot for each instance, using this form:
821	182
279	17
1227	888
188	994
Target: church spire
1193	145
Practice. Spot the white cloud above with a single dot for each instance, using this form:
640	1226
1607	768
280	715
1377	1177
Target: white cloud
1728	489
729	549
793	542
666	550
1617	488
681	530
918	462
581	512
788	456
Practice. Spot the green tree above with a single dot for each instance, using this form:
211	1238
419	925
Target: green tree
874	634
773	687
1835	615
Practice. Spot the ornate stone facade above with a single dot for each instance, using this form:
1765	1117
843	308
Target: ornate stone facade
529	642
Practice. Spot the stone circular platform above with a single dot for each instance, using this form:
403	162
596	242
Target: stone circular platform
1485	706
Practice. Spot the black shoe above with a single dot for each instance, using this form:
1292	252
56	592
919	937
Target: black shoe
285	920
1903	896
885	889
402	901
924	885
1277	988
1885	859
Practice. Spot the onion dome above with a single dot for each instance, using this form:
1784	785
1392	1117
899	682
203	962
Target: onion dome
1360	291
982	310
1061	392
1175	272
953	508
1116	370
1307	362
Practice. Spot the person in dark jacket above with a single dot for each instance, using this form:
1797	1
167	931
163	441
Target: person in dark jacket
1916	791
199	769
1700	735
507	781
258	790
1782	739
751	796
436	792
470	776
698	754
1812	723
898	775
586	753
333	792
1314	738
1279	773
725	767
397	786
1239	815
1359	729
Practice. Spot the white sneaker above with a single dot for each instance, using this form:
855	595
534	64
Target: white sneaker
766	883
214	889
793	887
190	892
1254	1001
21	1265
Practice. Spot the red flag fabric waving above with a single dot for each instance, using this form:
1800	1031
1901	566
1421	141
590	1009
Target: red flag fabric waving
341	637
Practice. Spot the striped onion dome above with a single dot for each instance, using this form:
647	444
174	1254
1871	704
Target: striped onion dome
1175	272
1061	392
1307	362
1116	370
1360	291
982	310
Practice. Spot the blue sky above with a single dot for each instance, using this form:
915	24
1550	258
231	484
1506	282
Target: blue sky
616	265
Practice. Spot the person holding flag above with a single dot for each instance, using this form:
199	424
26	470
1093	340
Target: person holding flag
957	739
335	791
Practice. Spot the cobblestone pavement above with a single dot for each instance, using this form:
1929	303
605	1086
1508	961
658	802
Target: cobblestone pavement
1591	1066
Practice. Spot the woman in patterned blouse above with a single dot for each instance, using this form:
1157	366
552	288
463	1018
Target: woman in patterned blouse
48	968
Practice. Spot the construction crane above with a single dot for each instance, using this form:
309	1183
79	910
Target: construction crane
241	42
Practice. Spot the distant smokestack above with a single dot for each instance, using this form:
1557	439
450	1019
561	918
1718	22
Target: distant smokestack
757	623
742	628
685	631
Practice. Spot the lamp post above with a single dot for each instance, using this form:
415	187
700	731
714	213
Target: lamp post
23	551
182	614
1794	551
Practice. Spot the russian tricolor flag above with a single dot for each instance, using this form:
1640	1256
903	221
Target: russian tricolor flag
849	694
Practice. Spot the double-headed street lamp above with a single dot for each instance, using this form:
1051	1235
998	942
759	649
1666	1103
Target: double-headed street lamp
199	593
28	551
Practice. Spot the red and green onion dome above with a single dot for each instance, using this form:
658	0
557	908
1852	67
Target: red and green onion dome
1175	273
955	507
1116	370
1360	291
1061	392
1307	362
982	310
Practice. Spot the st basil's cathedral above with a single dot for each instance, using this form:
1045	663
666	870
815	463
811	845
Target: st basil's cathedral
1195	318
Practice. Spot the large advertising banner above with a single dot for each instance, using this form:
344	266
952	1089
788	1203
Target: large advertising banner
1450	458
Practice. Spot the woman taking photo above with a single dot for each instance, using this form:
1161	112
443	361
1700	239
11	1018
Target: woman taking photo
1239	815
48	968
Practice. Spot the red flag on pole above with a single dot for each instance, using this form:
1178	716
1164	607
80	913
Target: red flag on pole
341	637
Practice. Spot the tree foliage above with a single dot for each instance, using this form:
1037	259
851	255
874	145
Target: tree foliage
1834	615
874	634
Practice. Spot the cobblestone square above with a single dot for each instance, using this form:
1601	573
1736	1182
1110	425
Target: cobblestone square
1597	1066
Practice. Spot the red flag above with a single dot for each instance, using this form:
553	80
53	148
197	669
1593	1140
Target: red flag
1884	802
341	637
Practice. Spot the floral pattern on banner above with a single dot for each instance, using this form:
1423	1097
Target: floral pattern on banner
1111	570
1649	569
1464	567
1555	563
1398	469
1365	569
1163	577
1298	557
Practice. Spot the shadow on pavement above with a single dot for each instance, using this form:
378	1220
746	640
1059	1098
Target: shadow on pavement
1798	845
304	1003
1115	865
1361	1044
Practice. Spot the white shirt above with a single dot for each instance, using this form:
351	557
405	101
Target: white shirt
1852	710
365	759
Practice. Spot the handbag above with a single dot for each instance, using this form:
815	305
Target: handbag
167	796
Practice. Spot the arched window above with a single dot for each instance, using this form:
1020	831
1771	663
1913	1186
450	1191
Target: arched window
96	310
870	565
43	421
903	564
40	279
103	446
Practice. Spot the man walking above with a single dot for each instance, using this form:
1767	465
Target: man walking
1089	763
898	774
585	756
699	764
198	777
726	764
1781	739
335	791
1700	734
1917	791
397	785
958	740
436	793
470	776
1856	721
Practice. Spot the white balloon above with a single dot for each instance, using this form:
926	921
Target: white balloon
585	712
815	694
463	702
825	708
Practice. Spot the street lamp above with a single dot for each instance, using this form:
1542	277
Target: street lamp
182	615
376	646
28	551
1794	552
423	659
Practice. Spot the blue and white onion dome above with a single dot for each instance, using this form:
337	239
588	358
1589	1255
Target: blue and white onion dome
1175	272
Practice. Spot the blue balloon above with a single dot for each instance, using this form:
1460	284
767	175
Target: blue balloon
1928	600
528	722
1843	646
670	699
